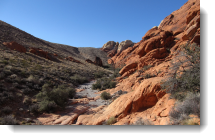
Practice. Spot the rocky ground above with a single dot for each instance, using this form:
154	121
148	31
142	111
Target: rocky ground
87	101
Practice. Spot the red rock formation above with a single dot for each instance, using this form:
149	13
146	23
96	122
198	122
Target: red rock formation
98	62
181	25
73	60
40	52
89	61
15	46
158	47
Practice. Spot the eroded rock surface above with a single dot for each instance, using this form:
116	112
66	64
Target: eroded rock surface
15	46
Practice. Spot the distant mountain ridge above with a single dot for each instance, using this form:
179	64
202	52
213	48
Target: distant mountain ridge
10	33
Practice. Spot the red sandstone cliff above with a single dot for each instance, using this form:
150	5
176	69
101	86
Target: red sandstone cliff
158	47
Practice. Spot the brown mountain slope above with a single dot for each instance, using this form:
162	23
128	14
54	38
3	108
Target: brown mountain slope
10	33
28	63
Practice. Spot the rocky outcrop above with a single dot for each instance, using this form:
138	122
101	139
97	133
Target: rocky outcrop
124	45
115	48
15	46
108	46
146	65
89	61
53	119
98	62
180	26
41	53
72	59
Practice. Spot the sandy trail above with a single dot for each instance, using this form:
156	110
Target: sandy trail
89	92
72	111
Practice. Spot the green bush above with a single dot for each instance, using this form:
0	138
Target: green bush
143	122
77	79
99	74
111	120
6	110
57	95
105	95
104	83
8	120
189	81
26	91
34	108
47	106
147	67
97	85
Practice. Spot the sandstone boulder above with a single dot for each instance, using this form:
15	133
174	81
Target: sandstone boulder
112	52
15	46
128	67
124	45
108	46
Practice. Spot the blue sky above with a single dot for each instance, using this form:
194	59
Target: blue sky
87	23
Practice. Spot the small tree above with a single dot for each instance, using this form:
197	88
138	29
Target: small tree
189	80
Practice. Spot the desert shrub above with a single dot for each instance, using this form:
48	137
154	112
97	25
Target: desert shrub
47	106
99	74
5	96
104	83
142	121
26	91
34	108
97	85
9	80
112	84
57	95
189	81
72	92
5	62
24	63
79	79
38	67
15	70
15	85
147	75
105	95
32	79
12	61
116	73
8	120
6	110
181	112
147	67
111	120
2	76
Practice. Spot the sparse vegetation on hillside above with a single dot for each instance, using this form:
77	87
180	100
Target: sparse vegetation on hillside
185	85
104	83
50	98
142	121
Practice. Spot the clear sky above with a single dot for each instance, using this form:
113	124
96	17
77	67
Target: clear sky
87	23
